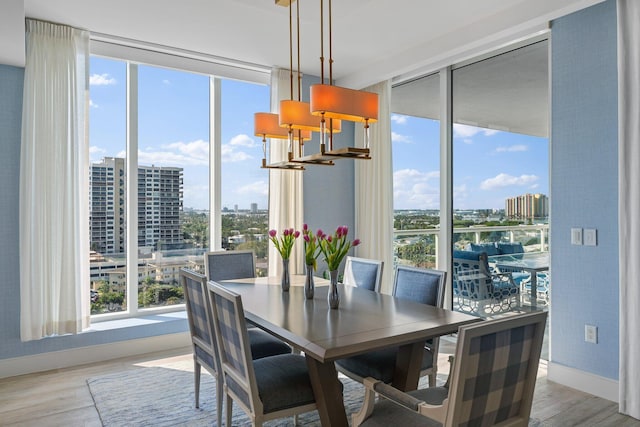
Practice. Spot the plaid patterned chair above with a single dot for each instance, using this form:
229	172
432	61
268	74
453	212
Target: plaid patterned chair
363	273
268	388
417	284
491	382
205	348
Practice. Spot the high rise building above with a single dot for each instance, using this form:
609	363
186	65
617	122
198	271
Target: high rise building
527	206
107	205
159	206
254	208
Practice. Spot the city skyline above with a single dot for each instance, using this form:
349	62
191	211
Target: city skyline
173	130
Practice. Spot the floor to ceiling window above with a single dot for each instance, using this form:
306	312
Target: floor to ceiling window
498	150
415	135
150	135
501	179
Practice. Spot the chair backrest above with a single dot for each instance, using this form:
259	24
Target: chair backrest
234	347
471	275
422	285
199	317
494	374
363	273
227	265
506	248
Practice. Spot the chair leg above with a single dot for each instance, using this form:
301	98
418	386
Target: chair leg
432	379
229	409
196	373
219	397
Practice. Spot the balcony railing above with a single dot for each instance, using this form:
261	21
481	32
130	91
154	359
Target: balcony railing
420	247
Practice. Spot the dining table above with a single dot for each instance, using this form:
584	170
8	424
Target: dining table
364	321
531	262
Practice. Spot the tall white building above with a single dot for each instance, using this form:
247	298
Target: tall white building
159	206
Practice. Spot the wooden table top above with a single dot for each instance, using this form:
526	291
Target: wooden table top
364	321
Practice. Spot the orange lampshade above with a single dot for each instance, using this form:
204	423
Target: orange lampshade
267	125
298	115
341	103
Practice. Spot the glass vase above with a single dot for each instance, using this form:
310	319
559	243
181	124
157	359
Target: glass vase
309	285
285	281
333	298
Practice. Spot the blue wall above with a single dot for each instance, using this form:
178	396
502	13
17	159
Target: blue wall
329	190
11	84
584	188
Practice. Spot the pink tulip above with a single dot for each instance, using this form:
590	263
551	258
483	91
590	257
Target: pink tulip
306	238
329	239
272	233
319	233
296	234
356	242
285	232
305	227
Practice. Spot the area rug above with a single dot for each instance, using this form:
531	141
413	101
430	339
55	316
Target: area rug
164	397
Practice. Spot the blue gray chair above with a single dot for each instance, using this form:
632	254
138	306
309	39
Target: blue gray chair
205	348
417	284
268	388
228	265
492	380
363	273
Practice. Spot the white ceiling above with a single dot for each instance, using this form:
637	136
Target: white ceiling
373	40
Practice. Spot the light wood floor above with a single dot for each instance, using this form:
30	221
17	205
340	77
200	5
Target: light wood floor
61	397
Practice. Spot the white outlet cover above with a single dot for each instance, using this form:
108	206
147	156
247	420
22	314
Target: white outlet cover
590	237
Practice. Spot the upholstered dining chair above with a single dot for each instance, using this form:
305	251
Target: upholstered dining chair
363	273
203	340
421	285
492	380
227	265
267	388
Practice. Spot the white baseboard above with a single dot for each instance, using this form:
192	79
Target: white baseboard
605	388
90	354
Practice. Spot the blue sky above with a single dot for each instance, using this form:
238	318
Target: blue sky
174	129
489	166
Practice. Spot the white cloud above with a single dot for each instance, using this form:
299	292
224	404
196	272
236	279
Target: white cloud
505	180
101	80
467	131
512	148
230	155
399	119
396	137
258	188
166	82
177	154
242	140
413	188
92	104
96	150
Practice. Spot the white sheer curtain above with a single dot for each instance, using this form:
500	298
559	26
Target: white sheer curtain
285	186
629	203
374	189
54	215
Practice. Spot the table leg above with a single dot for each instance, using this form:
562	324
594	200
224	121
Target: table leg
328	393
408	364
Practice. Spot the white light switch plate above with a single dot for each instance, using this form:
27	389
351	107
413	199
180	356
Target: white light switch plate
590	237
576	236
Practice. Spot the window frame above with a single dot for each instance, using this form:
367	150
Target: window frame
135	53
